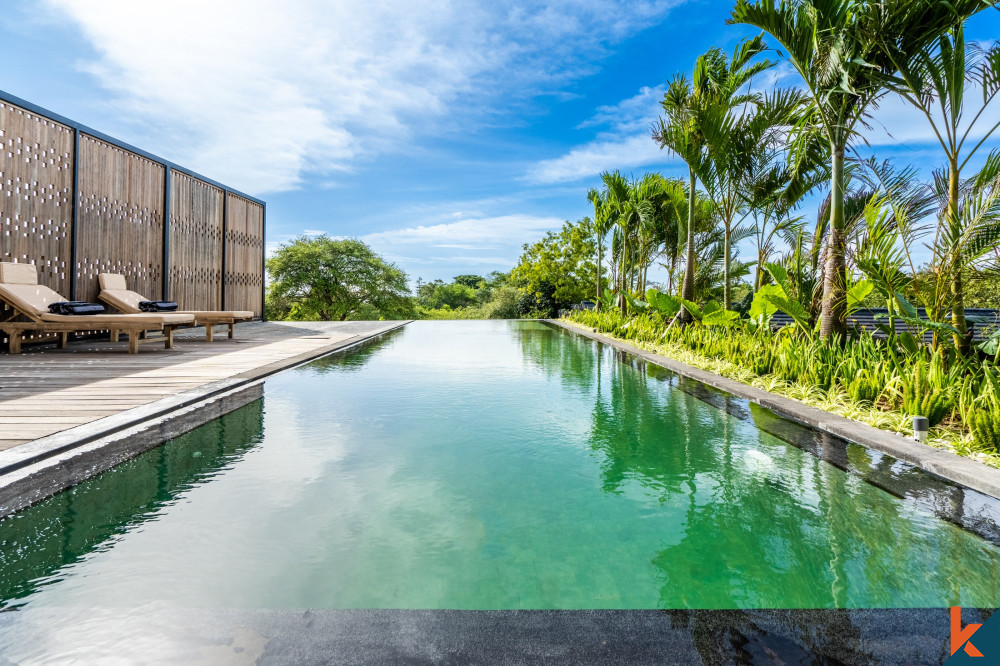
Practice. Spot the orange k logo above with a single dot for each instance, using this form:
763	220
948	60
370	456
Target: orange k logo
960	637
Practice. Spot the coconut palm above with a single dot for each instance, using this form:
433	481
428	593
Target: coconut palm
735	126
968	235
681	132
934	79
839	49
602	225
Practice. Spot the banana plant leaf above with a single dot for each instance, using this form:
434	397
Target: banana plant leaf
693	309
991	346
635	306
857	294
793	309
666	305
607	299
720	317
761	309
780	276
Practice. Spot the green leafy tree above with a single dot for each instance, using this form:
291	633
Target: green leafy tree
471	281
454	295
322	279
558	270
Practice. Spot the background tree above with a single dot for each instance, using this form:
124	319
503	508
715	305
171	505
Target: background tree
322	279
557	271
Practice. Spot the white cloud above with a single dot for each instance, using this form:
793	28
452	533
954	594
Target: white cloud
625	142
448	248
484	233
898	123
631	114
261	94
588	160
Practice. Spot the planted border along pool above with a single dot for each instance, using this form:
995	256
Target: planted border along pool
491	466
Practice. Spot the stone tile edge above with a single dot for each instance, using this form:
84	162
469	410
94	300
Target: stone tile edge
947	465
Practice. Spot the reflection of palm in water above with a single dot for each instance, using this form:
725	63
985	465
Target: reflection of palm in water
760	523
558	353
39	541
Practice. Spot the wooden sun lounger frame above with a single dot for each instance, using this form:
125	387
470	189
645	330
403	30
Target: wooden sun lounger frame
15	330
207	318
199	320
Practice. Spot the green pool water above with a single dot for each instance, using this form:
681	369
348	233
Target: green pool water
486	465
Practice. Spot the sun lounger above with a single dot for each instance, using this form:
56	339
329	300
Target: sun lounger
115	292
30	301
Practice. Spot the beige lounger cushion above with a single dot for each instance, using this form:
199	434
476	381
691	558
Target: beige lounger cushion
112	282
235	314
123	299
115	291
31	299
11	273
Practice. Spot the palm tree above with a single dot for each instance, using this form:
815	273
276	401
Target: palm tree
630	207
721	80
839	50
681	133
969	232
934	80
602	225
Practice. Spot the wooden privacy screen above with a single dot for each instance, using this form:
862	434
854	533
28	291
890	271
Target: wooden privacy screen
36	194
210	256
196	210
244	252
120	219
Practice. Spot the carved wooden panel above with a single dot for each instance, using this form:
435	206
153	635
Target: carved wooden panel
195	243
120	218
36	180
244	255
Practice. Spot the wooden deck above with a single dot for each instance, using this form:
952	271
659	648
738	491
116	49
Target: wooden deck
44	390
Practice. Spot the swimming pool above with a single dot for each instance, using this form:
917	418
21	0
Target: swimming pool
494	465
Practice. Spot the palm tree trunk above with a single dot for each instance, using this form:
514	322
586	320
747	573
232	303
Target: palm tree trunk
957	285
726	302
597	301
834	301
688	290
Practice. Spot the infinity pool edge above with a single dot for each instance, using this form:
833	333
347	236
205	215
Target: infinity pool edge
949	466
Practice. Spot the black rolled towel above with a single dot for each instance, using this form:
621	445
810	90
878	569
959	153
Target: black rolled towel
157	306
76	308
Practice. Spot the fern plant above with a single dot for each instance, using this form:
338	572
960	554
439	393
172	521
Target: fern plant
922	398
986	429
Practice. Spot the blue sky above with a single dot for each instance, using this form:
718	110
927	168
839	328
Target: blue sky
445	134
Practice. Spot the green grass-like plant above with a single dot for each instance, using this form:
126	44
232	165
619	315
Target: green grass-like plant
865	379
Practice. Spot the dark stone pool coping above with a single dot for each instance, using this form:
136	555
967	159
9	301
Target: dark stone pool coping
35	471
302	637
947	465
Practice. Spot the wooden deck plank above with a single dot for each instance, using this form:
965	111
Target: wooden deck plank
45	391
